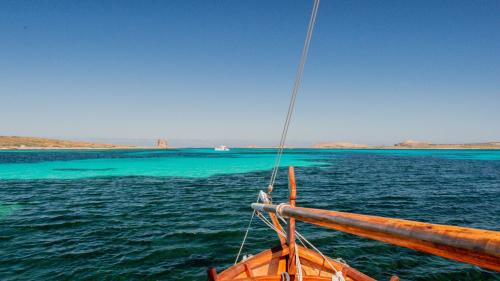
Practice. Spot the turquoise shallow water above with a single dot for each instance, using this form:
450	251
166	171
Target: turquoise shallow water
169	215
172	163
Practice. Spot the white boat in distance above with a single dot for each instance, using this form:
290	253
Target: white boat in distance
221	148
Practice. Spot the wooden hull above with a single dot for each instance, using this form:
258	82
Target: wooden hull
270	264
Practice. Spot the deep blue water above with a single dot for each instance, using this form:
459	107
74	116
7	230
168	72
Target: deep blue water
169	215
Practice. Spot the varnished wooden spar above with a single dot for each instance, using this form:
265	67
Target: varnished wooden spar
292	191
469	245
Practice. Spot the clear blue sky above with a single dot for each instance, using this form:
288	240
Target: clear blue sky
378	71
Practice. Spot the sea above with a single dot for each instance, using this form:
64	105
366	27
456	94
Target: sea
172	214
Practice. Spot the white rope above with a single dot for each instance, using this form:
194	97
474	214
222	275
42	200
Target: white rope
246	235
316	249
335	277
268	223
297	264
301	238
297	259
278	211
301	242
285	276
338	276
244	238
284	221
296	86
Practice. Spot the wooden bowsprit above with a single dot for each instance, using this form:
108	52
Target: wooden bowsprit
474	246
469	245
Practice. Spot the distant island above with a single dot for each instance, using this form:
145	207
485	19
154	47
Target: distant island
340	145
411	144
15	142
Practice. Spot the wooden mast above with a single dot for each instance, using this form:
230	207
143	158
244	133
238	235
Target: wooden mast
292	189
469	245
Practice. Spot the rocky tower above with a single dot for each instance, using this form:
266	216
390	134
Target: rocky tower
161	143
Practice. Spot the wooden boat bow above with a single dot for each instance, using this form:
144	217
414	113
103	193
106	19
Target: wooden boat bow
474	246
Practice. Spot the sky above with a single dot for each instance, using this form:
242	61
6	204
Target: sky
378	72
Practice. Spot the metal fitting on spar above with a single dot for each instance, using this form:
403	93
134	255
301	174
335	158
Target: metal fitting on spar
277	209
259	207
263	197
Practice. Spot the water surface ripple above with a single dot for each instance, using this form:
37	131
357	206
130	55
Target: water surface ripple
105	224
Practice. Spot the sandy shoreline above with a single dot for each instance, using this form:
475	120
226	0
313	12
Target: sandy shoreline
74	148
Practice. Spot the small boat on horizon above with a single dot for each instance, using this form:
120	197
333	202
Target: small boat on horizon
221	148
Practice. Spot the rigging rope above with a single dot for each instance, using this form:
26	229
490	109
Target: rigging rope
244	238
303	239
246	234
284	133
297	264
336	276
269	224
291	106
